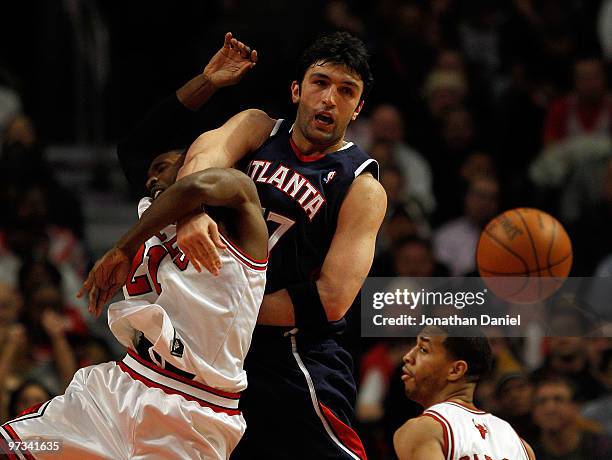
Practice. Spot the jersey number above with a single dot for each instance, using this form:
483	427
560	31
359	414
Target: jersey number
284	224
143	284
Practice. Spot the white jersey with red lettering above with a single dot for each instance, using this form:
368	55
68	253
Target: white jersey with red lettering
472	434
199	323
178	396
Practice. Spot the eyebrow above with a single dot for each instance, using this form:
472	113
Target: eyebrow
424	339
326	77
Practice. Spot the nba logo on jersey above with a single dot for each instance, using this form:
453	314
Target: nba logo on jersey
329	177
482	429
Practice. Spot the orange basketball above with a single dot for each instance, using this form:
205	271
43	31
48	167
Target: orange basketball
524	255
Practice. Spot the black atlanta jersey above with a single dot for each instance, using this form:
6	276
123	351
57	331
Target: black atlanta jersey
301	197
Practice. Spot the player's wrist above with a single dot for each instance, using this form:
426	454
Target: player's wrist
196	92
308	308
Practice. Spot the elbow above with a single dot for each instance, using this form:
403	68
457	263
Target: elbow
335	299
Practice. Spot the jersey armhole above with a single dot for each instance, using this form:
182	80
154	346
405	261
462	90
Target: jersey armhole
448	446
370	165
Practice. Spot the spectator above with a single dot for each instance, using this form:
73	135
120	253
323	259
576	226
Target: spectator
566	356
556	413
386	125
455	242
514	403
600	410
578	126
413	257
30	393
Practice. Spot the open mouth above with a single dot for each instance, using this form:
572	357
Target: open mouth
324	118
156	190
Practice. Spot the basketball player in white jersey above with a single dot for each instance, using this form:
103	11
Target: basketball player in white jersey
175	394
441	372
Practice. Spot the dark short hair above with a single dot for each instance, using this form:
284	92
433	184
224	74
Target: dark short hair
474	350
16	394
338	48
558	381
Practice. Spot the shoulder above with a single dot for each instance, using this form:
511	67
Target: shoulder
416	432
367	185
254	118
366	195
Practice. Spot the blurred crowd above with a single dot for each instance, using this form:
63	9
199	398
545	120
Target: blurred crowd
478	107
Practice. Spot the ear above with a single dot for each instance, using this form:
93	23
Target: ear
457	371
295	92
357	111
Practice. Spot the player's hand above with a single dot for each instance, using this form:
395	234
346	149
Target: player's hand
230	63
107	276
198	238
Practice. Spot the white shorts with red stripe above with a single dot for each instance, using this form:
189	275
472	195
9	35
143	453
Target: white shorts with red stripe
132	409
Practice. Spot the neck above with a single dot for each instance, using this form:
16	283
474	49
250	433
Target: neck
463	395
307	148
561	442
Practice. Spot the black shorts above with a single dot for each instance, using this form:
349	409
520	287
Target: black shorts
300	398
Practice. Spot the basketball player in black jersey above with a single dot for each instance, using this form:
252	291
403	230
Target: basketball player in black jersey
323	205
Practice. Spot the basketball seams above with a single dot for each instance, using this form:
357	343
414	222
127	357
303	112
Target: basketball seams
552	242
507	248
528	272
533	246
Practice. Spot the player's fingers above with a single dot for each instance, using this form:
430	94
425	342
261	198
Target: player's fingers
191	257
212	258
93	299
254	56
86	286
227	40
216	238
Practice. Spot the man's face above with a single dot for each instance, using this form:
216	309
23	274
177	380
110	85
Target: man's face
516	397
162	172
426	366
481	201
413	259
553	408
328	99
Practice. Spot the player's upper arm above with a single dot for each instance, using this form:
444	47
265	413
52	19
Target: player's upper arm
530	451
221	187
420	438
351	253
226	145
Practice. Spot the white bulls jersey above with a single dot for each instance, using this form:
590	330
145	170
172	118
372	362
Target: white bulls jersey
476	435
199	323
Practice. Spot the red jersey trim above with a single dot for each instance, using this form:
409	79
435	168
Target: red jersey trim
443	421
471	410
243	257
345	433
15	438
180	378
171	391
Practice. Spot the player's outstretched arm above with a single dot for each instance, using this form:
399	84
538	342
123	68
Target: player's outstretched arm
420	438
348	260
219	148
226	67
214	187
170	124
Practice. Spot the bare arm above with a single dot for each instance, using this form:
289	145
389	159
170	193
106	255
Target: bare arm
222	147
173	123
420	438
348	260
215	187
63	353
530	452
227	67
225	146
